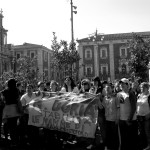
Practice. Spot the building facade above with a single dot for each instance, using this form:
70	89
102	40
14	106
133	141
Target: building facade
107	56
6	55
42	54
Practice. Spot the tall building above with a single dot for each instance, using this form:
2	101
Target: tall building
107	56
6	55
42	54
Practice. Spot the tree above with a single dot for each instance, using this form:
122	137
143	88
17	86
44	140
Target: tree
140	56
64	57
26	71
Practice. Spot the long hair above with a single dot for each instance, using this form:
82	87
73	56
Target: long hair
72	83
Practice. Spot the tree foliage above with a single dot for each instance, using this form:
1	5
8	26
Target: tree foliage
25	70
64	57
140	56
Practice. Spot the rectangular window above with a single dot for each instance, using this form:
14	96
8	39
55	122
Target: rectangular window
103	53
123	52
89	71
104	70
88	54
32	55
45	56
18	55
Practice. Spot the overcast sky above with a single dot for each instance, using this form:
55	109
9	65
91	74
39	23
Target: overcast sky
33	21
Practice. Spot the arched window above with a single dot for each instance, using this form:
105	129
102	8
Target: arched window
88	53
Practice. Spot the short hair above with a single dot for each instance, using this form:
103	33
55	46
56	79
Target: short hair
145	85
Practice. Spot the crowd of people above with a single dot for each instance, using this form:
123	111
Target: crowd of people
123	112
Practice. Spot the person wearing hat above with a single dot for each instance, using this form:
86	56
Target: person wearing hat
127	116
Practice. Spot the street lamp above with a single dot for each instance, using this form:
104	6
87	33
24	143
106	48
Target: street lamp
72	11
94	36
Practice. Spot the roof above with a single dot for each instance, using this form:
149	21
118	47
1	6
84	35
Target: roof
117	36
29	45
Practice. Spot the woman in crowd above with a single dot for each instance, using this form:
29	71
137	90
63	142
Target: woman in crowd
111	105
40	92
54	87
143	115
69	85
85	86
97	89
127	117
25	100
117	87
97	86
11	110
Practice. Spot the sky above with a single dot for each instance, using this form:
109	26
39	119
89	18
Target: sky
33	21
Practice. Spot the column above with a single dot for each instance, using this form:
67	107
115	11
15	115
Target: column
149	70
40	62
96	62
48	65
111	61
81	72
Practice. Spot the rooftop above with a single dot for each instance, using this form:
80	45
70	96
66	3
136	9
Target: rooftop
117	36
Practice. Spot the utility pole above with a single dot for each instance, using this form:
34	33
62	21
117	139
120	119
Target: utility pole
72	11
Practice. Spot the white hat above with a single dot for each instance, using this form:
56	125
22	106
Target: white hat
125	80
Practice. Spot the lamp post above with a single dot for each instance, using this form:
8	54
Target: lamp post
72	11
149	70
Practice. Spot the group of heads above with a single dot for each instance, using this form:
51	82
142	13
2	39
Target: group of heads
49	86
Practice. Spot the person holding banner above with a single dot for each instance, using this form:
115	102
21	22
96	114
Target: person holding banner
99	141
111	105
85	86
25	100
97	87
